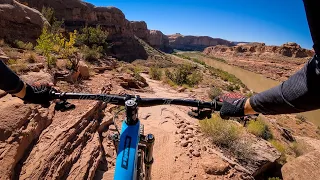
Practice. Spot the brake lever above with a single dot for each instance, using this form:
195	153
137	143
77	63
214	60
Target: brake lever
64	106
200	114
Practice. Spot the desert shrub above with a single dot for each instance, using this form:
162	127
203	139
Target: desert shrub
51	61
301	118
168	74
65	46
242	149
45	42
214	92
49	43
91	36
198	61
170	82
48	13
92	54
12	61
22	45
19	68
194	78
249	94
225	76
260	129
230	87
184	74
31	58
299	148
221	132
281	148
13	54
155	73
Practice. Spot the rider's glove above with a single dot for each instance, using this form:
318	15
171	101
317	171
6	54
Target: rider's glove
38	94
233	105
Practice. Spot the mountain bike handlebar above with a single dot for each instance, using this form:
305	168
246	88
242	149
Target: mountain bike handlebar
142	102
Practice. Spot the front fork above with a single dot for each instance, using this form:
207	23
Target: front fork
146	144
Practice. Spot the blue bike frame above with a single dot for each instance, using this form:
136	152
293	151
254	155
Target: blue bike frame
126	162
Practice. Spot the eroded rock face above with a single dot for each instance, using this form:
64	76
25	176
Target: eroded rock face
77	14
140	29
303	167
19	22
195	43
20	125
158	40
257	49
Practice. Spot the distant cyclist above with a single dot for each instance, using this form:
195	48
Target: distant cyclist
300	93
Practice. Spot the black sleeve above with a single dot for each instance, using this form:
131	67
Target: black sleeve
301	92
9	81
313	15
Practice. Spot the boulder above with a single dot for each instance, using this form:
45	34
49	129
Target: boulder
37	77
20	125
128	81
84	70
215	166
19	22
303	167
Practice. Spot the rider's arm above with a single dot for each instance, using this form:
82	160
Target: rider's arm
10	82
301	92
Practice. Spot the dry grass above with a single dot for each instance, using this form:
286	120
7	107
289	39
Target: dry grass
227	134
214	92
185	74
281	148
19	67
22	45
259	128
31	58
155	73
12	54
299	148
220	131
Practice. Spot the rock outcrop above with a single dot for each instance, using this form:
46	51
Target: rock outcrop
140	29
77	14
20	125
160	41
195	43
256	49
303	167
19	22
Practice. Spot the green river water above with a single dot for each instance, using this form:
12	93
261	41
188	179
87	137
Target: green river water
253	81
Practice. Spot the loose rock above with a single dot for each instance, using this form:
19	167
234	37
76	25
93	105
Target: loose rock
215	166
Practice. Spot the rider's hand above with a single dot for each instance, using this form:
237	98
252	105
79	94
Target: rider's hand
233	105
38	94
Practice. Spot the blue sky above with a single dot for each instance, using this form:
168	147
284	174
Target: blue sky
271	21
